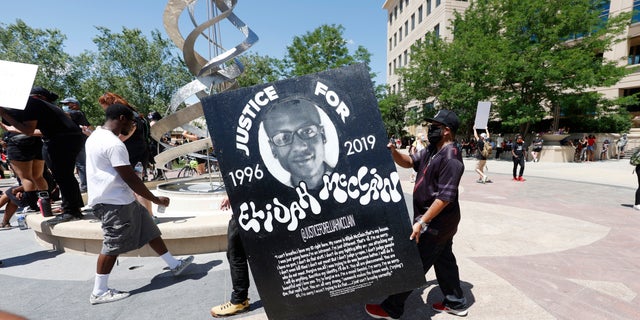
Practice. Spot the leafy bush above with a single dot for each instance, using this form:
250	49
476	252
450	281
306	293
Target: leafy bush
619	122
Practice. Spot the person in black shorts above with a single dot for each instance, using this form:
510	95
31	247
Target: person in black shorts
26	157
62	142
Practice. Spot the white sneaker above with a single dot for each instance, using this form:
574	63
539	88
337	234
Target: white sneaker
25	210
637	207
110	296
184	263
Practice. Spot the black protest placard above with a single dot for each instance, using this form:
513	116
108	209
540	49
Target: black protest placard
314	191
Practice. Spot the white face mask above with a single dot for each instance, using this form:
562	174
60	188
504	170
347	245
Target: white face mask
65	108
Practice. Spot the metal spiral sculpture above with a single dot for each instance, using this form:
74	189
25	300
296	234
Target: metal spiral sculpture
212	76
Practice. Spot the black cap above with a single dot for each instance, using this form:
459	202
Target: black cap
50	96
448	118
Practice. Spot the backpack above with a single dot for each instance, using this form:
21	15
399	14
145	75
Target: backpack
486	149
635	158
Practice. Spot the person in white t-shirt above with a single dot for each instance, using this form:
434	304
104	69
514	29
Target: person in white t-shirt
126	224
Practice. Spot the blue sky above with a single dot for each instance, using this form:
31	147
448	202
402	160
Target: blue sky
275	22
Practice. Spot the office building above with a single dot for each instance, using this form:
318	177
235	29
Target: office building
409	20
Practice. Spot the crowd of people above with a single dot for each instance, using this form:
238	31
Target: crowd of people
47	144
48	138
586	148
482	147
514	148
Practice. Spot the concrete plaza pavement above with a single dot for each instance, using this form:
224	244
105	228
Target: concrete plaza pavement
561	245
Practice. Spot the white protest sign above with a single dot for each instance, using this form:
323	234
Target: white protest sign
482	114
16	80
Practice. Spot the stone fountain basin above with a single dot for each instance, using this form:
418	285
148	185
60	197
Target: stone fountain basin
553	139
199	196
191	224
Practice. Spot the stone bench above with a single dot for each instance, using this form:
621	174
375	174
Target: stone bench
182	235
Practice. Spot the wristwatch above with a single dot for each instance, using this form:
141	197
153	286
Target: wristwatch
423	224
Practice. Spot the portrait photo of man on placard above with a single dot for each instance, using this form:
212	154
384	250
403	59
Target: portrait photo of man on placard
298	143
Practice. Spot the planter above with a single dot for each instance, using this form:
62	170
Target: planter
553	139
552	151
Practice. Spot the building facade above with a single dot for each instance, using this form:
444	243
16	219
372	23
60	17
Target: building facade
408	21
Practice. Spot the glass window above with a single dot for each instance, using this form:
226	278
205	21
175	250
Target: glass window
437	3
428	7
390	44
400	35
413	21
420	14
436	30
605	6
406	27
629	92
636	11
634	55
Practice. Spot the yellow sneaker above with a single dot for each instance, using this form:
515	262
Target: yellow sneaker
229	309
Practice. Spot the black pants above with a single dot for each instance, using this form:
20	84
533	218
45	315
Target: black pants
441	257
237	264
518	161
60	154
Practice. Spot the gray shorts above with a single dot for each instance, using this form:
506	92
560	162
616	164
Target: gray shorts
126	227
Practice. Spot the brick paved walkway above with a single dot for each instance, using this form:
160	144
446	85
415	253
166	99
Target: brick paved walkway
562	245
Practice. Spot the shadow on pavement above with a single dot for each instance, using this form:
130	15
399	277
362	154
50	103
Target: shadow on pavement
29	258
415	306
163	280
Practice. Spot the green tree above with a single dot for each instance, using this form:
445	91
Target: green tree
393	114
325	48
524	55
21	43
321	49
551	48
258	69
450	74
83	81
145	71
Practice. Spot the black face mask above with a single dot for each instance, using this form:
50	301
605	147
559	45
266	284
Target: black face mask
435	135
